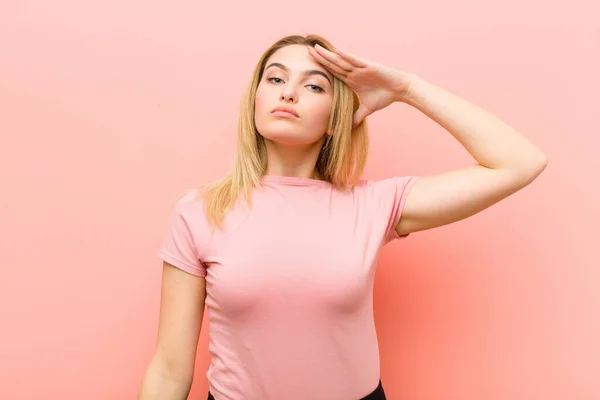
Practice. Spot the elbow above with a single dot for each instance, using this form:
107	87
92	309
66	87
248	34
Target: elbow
540	164
532	169
160	382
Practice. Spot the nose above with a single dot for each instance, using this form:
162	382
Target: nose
287	94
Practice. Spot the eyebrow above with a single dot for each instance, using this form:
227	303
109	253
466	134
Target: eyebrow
305	73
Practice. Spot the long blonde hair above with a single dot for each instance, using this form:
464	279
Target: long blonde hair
341	160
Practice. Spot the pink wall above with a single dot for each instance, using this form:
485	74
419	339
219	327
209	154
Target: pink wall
109	109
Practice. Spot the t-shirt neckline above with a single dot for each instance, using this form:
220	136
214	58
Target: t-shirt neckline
294	180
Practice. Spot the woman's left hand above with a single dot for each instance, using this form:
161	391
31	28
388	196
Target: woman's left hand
376	85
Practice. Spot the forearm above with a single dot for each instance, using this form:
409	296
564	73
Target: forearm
492	142
158	385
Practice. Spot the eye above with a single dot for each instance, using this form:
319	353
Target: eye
313	87
317	88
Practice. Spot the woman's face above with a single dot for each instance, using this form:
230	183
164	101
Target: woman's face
294	79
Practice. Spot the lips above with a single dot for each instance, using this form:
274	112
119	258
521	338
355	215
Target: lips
286	109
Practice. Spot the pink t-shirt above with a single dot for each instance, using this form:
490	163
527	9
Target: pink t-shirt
289	285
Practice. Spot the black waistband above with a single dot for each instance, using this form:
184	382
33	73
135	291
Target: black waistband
377	394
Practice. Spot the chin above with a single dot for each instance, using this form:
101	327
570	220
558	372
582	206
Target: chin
288	136
285	137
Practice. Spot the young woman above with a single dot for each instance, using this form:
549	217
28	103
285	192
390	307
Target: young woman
282	250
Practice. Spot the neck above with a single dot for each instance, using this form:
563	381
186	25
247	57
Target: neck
296	161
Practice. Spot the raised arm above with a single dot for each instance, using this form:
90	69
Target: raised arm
506	161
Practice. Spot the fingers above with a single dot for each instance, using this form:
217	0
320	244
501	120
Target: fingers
351	58
331	61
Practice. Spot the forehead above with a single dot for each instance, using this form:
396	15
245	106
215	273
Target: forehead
297	58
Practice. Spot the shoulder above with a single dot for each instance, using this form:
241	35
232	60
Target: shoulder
190	196
190	204
385	186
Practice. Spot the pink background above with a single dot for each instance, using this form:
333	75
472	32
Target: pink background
110	109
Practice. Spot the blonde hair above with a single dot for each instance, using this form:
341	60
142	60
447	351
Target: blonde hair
341	160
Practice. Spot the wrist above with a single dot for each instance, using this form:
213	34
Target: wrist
407	90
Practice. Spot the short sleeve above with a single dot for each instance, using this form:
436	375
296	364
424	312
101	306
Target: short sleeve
390	195
178	246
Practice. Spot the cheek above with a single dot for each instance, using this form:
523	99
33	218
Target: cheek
263	102
258	100
261	109
322	112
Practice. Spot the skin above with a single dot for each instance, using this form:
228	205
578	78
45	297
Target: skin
506	163
506	160
293	144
